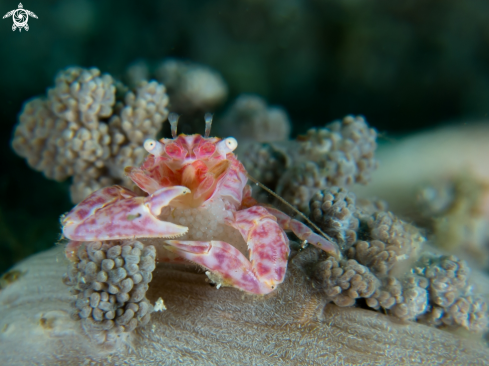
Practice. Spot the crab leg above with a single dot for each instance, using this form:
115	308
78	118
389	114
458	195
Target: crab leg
303	232
123	218
268	245
71	249
228	265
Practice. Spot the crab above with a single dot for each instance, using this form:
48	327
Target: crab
197	203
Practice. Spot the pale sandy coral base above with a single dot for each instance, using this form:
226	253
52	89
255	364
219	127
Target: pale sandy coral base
406	164
206	326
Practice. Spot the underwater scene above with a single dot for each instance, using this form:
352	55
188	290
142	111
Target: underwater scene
245	182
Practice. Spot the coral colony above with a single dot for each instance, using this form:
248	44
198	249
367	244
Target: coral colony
191	202
82	130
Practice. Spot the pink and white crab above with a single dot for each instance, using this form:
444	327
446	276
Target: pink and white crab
197	191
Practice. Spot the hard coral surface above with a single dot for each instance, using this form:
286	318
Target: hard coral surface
456	211
207	326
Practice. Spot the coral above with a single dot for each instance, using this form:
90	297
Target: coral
432	289
139	117
10	277
340	154
249	118
388	296
332	210
110	281
53	132
453	300
79	130
345	281
378	267
456	212
375	255
406	299
392	241
443	155
137	72
448	277
438	294
365	208
414	298
263	162
192	87
204	325
300	182
344	148
437	198
469	312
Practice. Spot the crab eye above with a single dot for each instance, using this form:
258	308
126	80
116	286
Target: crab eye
149	144
153	147
226	146
231	143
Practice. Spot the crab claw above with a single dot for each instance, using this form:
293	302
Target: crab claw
97	200
123	217
268	246
228	265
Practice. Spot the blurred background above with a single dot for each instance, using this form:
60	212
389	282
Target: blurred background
404	65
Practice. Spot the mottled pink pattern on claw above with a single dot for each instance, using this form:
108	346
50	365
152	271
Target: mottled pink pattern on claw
267	242
97	200
162	198
129	218
223	259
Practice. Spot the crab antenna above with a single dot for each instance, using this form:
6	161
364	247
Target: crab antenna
173	118
208	123
289	206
